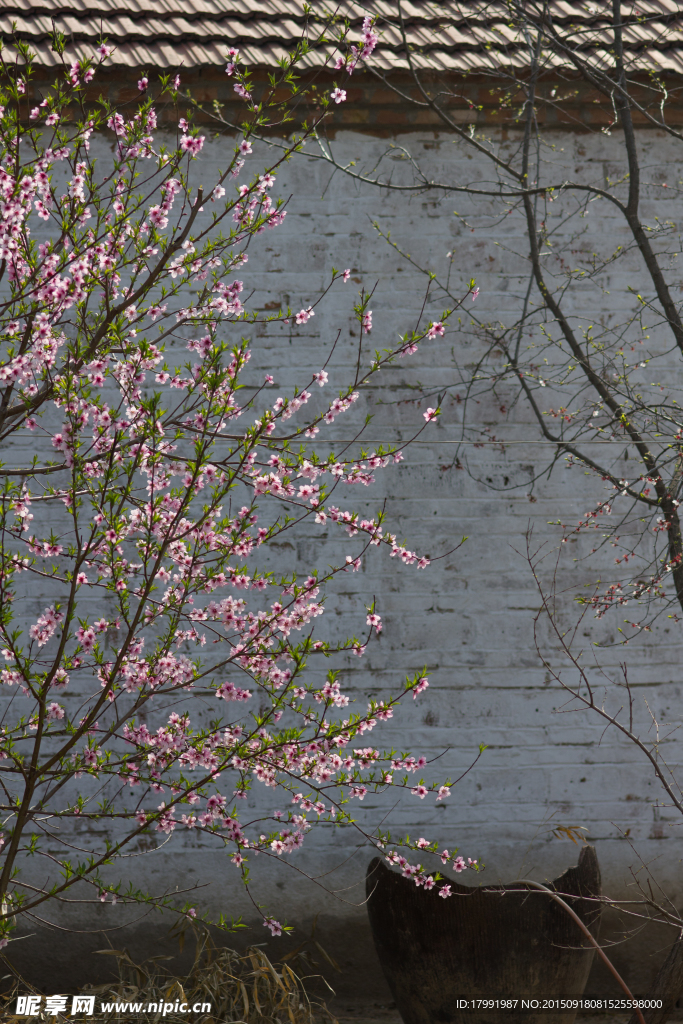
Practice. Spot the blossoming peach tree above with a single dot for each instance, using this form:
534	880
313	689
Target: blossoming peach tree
132	596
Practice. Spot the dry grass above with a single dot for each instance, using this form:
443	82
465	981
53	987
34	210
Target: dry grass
242	988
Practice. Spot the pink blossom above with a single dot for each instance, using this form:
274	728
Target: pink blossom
338	95
420	791
117	124
475	293
459	865
445	891
304	315
192	144
143	83
60	680
216	804
43	629
421	686
346	275
228	691
55	711
436	328
158	217
431	414
370	39
86	637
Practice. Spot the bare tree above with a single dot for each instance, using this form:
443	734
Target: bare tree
610	697
599	377
591	379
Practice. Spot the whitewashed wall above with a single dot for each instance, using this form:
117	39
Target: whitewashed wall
469	617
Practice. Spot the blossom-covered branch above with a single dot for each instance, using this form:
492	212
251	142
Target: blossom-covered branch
169	668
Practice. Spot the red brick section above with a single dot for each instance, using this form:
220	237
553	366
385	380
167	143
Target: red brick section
374	108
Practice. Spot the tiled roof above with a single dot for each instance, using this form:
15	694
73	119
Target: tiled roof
467	36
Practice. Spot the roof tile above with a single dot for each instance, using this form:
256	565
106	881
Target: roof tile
459	36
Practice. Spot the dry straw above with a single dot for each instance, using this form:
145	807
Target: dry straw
242	988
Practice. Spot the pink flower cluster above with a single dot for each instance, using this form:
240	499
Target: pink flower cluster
417	873
362	51
45	626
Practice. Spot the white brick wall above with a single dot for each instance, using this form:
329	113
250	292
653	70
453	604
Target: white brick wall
469	617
